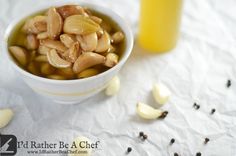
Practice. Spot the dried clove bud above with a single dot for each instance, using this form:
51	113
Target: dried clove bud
172	141
213	111
141	134
163	115
129	149
145	137
196	106
228	83
198	154
206	140
176	154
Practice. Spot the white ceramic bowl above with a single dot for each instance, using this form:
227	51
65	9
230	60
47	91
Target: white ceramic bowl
72	91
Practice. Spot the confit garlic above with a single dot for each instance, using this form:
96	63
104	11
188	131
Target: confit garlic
81	151
88	42
54	23
111	60
68	36
88	73
104	43
87	60
19	54
113	86
160	93
85	26
56	61
147	112
5	117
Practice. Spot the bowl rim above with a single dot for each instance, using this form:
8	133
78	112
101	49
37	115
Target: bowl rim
104	10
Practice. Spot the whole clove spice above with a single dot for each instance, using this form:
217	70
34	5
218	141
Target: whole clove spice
213	111
129	149
198	154
206	140
196	106
176	154
172	141
145	137
164	114
228	83
141	134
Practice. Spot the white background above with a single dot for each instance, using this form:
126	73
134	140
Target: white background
196	70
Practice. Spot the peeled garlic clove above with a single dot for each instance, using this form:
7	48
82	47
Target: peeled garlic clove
111	49
42	35
147	112
32	42
87	12
117	37
88	73
53	44
82	151
74	52
65	56
20	54
56	61
161	93
66	72
43	50
54	23
67	39
99	33
103	43
35	25
111	60
87	60
5	117
47	69
96	19
56	77
32	68
113	86
80	25
41	58
68	10
32	55
88	42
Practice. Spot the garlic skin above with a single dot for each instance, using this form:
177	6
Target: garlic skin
160	93
81	151
5	117
147	112
113	86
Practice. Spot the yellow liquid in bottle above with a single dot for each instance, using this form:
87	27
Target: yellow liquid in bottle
159	24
